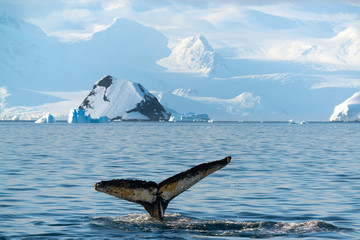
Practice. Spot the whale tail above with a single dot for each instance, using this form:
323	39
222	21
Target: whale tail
156	197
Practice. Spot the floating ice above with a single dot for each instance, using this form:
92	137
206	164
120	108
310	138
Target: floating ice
295	122
48	118
189	117
77	115
347	111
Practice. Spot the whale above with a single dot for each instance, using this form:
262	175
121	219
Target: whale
155	197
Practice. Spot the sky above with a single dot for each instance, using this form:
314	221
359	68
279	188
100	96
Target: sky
272	29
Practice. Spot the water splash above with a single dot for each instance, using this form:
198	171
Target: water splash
177	223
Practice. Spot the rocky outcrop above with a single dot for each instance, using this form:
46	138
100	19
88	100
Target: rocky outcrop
119	99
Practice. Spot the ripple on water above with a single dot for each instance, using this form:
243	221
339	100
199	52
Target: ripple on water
177	223
282	180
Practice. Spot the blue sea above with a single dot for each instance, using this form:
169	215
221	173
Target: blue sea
285	181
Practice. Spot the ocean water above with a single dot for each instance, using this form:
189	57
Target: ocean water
285	181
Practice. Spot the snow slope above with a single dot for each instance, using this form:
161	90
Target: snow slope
122	99
245	100
193	55
58	109
29	59
244	106
347	111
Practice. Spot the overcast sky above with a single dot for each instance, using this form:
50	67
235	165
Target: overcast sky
303	30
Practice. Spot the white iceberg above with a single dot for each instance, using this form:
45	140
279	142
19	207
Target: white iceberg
15	118
347	111
77	115
189	117
296	122
48	118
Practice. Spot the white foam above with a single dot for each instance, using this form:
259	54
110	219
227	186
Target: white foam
177	222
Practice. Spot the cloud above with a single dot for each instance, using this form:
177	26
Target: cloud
114	5
224	14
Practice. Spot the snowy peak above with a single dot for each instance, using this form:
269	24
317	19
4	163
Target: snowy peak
104	82
182	92
194	55
348	46
128	44
122	99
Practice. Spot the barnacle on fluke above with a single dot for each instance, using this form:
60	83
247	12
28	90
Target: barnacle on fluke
156	197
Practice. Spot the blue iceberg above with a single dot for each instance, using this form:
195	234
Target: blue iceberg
189	117
77	115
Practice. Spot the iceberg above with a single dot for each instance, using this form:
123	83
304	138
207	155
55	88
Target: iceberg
189	117
295	122
347	111
15	118
77	115
48	118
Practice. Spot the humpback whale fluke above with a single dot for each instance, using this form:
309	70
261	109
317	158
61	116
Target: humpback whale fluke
156	197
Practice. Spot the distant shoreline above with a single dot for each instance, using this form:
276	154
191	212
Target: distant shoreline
190	122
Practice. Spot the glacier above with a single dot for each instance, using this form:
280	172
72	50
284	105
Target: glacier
188	100
347	111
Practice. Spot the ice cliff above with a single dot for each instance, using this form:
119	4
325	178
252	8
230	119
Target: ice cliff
347	111
79	116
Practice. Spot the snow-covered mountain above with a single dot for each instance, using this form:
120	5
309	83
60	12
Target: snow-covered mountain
193	55
39	74
27	55
29	59
125	47
347	111
245	105
347	49
245	100
120	99
340	52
